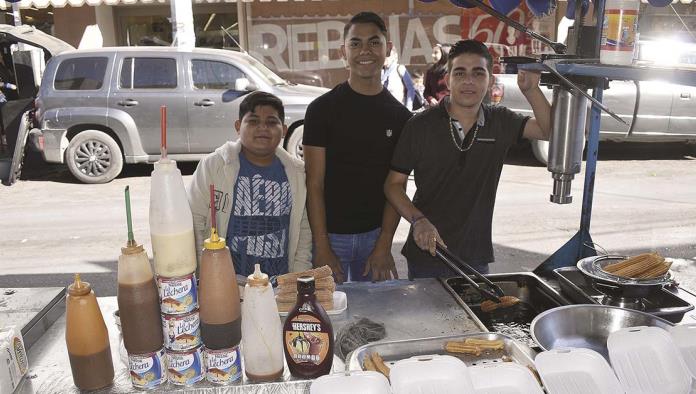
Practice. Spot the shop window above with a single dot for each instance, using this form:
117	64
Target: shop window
83	73
148	73
214	75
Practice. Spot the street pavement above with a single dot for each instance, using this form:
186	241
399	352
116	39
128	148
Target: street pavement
644	200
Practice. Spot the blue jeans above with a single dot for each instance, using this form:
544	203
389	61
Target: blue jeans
353	250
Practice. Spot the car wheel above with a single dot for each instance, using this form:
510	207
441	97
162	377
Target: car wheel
94	157
540	149
294	143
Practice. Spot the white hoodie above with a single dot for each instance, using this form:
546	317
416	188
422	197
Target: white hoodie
221	169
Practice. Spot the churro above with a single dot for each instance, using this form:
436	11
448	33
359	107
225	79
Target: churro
642	266
493	344
505	301
317	273
368	364
461	347
380	365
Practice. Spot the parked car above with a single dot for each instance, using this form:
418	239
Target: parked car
667	111
97	109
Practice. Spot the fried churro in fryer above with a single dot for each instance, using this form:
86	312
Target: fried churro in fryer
380	365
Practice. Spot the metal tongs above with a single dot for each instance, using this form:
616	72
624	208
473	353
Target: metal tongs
455	263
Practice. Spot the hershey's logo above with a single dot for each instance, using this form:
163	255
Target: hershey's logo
300	326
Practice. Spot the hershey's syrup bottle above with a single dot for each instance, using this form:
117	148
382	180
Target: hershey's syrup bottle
308	339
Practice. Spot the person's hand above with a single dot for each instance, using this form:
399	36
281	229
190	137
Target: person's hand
528	80
381	263
426	235
326	256
432	102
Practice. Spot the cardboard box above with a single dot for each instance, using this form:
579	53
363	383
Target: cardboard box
13	359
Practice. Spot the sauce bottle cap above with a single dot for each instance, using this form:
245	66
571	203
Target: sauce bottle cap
258	278
132	248
78	287
214	242
305	284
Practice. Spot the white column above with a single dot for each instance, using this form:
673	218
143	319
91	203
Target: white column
16	15
182	23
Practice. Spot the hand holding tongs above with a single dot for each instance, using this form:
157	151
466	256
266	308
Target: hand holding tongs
455	262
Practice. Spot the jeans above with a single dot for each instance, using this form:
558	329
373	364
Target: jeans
353	250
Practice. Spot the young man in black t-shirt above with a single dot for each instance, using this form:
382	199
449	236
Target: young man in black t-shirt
456	150
349	136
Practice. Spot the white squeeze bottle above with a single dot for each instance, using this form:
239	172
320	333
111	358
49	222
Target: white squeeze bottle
171	223
262	333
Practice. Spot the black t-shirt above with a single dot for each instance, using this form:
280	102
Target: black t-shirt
359	133
456	195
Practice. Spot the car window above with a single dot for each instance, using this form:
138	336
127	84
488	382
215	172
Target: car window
82	73
214	75
148	73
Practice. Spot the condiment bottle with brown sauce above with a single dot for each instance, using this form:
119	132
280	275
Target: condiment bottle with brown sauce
307	334
218	294
138	303
87	338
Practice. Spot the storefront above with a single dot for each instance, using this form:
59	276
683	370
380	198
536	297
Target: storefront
128	22
304	37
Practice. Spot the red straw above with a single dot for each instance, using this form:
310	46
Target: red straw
212	206
163	125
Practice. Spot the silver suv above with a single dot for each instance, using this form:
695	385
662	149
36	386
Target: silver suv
97	109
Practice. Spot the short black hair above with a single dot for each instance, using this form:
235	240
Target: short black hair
254	99
366	17
470	46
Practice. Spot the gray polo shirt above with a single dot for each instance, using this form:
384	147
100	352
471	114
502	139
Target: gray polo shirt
456	190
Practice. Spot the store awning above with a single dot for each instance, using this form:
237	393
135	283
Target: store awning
24	4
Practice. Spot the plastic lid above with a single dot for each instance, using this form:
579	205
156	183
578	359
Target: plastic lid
78	287
132	248
258	278
305	284
214	242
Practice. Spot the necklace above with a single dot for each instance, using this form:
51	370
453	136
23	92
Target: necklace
454	140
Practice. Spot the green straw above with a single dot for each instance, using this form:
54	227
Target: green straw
131	239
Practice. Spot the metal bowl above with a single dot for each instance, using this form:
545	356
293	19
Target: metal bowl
587	326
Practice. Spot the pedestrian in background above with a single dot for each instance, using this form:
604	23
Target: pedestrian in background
435	78
397	79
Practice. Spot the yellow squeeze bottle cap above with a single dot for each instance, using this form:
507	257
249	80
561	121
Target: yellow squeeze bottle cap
214	242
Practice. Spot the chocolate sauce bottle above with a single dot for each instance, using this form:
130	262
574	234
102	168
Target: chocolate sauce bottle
87	338
308	339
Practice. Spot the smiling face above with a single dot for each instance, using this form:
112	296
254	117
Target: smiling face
437	54
468	79
365	49
260	133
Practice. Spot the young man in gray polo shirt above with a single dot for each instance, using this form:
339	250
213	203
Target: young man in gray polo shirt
456	151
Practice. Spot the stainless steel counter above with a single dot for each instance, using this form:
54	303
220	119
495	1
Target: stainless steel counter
408	309
33	310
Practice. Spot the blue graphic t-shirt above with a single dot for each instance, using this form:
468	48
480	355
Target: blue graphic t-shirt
260	219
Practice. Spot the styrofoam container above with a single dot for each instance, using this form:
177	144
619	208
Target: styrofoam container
576	371
647	361
368	382
503	378
435	374
684	336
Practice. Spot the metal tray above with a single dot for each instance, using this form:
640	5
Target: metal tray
536	296
394	351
